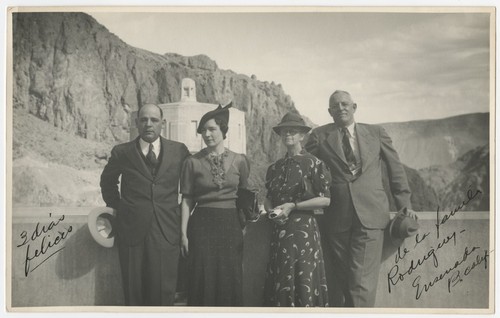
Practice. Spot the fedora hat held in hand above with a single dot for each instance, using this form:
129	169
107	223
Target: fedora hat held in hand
402	226
100	222
292	120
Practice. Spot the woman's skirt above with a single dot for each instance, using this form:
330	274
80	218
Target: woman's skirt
215	258
296	272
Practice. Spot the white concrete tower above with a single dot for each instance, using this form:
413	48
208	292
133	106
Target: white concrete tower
182	120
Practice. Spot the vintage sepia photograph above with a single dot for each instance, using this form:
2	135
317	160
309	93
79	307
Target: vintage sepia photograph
251	159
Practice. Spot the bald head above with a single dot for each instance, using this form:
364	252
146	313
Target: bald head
339	92
151	105
342	108
149	122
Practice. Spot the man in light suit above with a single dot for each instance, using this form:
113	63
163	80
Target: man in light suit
353	226
148	215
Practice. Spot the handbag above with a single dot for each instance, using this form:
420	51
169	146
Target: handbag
247	204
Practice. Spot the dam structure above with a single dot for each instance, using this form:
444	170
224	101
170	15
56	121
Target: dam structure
182	119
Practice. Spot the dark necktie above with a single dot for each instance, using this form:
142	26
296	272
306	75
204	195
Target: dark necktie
152	157
346	146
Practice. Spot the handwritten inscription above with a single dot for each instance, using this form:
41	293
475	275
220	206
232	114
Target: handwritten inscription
43	240
394	276
438	248
471	195
458	276
427	286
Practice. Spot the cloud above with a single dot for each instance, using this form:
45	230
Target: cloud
434	68
425	64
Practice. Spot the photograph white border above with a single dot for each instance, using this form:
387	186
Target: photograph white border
212	8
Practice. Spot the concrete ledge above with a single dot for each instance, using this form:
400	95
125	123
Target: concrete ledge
85	274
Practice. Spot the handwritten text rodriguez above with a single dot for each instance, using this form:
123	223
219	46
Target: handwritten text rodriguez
471	257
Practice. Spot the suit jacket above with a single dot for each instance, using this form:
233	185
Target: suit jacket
144	198
365	191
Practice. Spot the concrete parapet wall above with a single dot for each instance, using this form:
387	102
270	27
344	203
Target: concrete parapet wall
449	271
83	273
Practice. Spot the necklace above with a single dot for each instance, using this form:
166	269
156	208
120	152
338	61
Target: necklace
216	162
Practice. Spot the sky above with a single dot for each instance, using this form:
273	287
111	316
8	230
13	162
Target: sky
397	66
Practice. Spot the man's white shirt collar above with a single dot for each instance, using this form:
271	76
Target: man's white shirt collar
350	128
145	146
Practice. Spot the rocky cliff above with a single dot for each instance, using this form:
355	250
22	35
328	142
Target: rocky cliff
73	73
75	85
459	181
425	143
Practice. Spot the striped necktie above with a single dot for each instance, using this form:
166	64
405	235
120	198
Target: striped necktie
348	152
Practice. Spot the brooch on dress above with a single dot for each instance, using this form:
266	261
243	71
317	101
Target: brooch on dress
217	167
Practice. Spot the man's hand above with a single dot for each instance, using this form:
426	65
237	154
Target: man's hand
184	246
411	214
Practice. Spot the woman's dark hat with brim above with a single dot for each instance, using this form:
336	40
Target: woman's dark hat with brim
292	120
219	113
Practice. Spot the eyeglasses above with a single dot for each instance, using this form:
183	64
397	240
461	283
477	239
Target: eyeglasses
291	131
340	104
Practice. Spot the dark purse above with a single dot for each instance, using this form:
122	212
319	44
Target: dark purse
247	205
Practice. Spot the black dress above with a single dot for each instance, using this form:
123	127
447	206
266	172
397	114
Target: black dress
296	273
215	258
215	274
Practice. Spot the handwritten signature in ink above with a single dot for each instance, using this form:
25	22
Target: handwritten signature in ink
43	239
470	196
399	272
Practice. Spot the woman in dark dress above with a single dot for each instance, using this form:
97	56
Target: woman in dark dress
297	185
212	237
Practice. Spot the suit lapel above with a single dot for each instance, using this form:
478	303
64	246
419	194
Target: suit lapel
334	140
166	157
137	161
366	144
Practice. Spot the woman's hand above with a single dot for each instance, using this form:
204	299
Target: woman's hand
184	246
286	208
187	206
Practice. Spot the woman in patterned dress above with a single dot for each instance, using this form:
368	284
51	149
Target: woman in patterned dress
212	237
297	184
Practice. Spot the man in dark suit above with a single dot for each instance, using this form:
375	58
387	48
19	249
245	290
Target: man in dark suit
147	210
353	225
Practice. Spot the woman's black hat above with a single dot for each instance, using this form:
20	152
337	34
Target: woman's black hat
292	120
220	112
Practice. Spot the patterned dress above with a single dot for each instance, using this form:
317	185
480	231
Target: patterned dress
296	273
